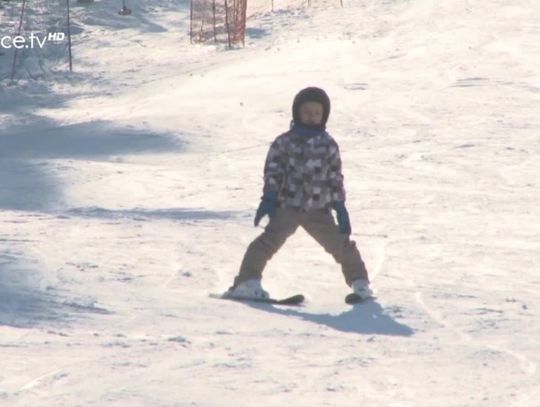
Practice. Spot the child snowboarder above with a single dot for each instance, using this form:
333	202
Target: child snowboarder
302	183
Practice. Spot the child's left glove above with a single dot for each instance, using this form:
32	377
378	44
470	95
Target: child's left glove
267	206
343	220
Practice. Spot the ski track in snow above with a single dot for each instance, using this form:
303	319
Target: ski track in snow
525	364
415	161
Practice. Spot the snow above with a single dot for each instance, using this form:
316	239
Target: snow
128	189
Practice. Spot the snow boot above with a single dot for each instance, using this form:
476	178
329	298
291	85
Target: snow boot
361	288
250	289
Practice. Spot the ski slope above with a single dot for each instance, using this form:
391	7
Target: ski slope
128	189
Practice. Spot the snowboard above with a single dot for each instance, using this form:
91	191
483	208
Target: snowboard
297	299
353	298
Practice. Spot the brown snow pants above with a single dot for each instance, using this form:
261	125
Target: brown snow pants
320	225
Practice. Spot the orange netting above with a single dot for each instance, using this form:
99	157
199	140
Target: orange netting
218	20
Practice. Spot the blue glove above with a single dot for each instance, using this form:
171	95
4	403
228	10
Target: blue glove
267	206
343	220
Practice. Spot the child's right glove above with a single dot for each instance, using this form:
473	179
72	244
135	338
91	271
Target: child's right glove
267	206
343	220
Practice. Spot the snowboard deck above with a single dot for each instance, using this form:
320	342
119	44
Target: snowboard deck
297	299
353	298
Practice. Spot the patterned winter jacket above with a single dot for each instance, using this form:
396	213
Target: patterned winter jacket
304	171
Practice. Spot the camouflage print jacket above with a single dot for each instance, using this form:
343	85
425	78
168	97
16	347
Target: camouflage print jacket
304	171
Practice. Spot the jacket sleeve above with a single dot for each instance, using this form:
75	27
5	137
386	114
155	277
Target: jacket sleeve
274	168
335	175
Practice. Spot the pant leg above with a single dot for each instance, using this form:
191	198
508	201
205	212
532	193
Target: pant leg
323	228
282	224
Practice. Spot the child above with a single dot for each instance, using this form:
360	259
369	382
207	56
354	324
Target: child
302	183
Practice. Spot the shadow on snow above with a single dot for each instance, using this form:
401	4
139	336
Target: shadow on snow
27	180
90	140
179	214
368	318
23	304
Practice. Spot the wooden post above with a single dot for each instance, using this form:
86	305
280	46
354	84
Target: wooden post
13	66
214	22
69	38
227	24
191	22
244	21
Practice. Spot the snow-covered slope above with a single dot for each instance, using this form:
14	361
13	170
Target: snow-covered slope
127	192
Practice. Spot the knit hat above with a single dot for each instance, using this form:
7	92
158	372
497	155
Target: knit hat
311	94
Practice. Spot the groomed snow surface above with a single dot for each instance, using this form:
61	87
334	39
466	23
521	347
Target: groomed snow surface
128	189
